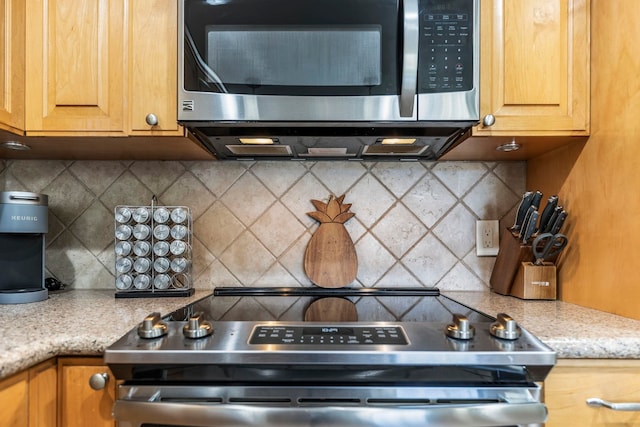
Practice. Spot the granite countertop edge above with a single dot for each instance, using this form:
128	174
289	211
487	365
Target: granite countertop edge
85	322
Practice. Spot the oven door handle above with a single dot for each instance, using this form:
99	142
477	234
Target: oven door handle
410	41
137	413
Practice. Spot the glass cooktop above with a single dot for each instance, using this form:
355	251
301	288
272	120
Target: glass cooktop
323	304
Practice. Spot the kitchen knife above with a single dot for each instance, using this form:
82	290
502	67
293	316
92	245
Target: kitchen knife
525	221
552	220
558	222
537	198
522	210
545	216
530	227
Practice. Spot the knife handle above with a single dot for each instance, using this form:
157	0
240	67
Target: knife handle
530	226
525	221
537	198
545	216
523	207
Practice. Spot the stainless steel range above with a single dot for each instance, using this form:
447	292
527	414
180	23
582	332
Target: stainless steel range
329	357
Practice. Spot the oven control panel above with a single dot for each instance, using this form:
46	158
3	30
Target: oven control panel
328	335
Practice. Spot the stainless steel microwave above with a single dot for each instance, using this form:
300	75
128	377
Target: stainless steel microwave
328	78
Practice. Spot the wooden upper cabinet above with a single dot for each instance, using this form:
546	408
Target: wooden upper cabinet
89	67
534	75
153	30
12	50
75	67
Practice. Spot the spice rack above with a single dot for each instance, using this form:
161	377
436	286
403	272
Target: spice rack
152	251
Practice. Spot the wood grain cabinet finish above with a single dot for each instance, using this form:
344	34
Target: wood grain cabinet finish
572	382
79	404
75	67
12	50
534	75
29	398
89	68
153	52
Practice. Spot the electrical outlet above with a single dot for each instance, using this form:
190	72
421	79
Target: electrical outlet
487	237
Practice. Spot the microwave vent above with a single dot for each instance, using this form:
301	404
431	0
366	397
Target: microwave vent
260	150
393	150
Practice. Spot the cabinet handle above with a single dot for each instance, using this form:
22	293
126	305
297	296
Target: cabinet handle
596	402
488	120
98	381
151	119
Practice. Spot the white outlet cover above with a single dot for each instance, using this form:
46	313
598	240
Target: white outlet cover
487	237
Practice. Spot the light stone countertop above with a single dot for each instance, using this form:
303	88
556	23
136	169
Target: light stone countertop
85	322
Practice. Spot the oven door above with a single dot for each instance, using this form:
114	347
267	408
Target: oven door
205	406
320	60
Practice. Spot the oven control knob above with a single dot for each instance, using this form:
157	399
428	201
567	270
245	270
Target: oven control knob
505	328
460	328
197	327
152	326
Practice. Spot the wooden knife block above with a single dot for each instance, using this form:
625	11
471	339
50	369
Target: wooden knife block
535	281
511	253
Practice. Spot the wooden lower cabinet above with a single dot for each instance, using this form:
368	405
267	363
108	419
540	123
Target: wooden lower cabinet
573	381
80	405
29	398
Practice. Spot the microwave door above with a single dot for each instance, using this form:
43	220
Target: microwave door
323	60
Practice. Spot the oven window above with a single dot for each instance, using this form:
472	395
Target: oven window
249	56
292	47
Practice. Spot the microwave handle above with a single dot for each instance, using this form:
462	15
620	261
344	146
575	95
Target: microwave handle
137	413
410	37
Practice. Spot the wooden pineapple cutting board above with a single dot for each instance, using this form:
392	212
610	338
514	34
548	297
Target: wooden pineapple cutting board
330	260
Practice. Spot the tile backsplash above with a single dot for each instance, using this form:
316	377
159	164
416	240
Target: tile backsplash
414	222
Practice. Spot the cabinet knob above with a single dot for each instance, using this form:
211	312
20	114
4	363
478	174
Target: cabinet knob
488	120
626	406
151	119
98	381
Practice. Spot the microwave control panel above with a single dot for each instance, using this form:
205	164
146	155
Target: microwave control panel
445	58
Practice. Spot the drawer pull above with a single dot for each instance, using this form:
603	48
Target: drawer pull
596	402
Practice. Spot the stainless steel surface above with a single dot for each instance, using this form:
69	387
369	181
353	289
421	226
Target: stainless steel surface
449	115
232	361
325	406
197	327
596	402
151	119
488	120
410	39
152	327
98	381
427	345
460	328
505	328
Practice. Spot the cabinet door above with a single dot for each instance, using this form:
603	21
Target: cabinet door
535	67
43	393
153	67
572	382
14	398
75	58
12	75
79	404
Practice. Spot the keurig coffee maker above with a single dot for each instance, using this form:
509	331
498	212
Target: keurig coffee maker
23	225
